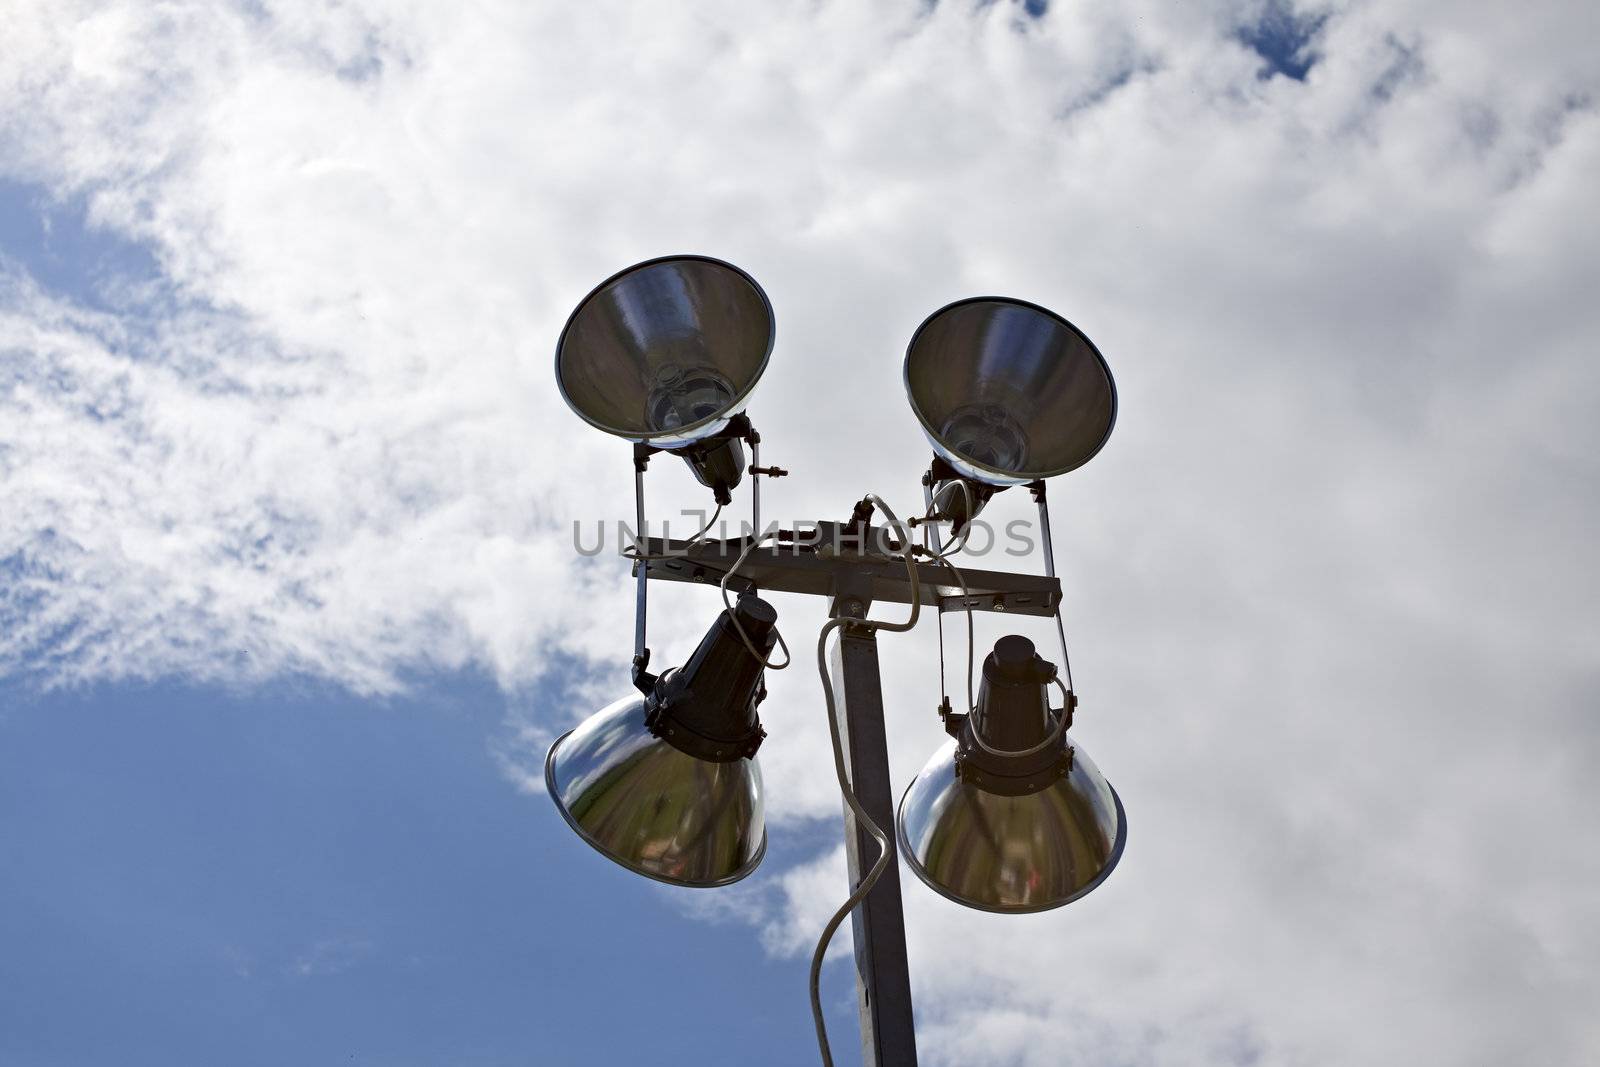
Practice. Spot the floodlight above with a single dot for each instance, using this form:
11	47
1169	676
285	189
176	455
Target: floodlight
1008	816
667	784
1008	393
664	354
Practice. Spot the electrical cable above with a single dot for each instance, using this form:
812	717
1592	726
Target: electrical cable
886	851
733	616
966	531
693	540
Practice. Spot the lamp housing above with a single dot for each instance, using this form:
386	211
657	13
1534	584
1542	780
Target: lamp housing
1008	815
665	353
666	783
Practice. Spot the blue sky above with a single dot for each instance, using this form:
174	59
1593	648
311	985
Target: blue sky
60	250
299	876
290	608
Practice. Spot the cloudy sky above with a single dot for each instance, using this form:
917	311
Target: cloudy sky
289	607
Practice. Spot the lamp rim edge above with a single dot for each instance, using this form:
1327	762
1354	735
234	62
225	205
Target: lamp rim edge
740	399
927	879
1014	477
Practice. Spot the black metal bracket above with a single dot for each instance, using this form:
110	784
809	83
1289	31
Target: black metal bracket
952	719
643	680
700	454
936	484
939	470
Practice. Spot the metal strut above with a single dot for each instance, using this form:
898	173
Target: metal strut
755	484
930	529
642	679
1050	570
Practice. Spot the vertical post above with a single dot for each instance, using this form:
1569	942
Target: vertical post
883	978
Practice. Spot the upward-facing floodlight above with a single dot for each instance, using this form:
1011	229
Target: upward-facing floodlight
1008	393
664	353
667	784
1008	816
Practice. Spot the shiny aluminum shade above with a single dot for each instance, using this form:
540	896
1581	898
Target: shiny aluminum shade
1011	853
652	808
1008	391
665	351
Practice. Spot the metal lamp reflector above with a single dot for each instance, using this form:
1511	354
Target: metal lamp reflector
667	784
1008	391
665	351
1027	830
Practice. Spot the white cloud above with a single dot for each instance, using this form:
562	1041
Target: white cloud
1329	586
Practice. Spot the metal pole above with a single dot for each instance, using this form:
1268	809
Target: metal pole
883	978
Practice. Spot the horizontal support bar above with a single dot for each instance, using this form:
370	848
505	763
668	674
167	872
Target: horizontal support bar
831	564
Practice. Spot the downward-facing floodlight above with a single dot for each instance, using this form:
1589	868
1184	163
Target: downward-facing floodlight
664	353
1008	816
667	784
1008	393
